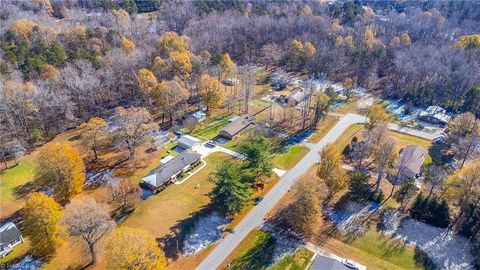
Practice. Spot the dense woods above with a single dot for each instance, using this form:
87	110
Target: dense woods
64	62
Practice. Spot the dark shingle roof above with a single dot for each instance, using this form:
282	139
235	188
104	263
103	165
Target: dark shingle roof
8	233
237	125
325	263
173	166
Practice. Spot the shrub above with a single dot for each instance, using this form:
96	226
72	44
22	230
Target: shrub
431	210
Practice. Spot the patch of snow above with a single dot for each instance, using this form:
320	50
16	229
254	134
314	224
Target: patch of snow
206	231
349	218
100	177
449	251
391	220
27	263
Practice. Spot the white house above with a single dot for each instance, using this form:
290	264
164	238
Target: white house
10	237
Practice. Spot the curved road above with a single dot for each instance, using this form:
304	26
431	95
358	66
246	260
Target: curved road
256	215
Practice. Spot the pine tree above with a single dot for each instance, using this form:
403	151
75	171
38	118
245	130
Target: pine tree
231	192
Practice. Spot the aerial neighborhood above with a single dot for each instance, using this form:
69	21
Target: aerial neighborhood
239	135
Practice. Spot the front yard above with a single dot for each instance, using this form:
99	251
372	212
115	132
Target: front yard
287	160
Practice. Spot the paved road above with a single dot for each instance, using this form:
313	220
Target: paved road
256	215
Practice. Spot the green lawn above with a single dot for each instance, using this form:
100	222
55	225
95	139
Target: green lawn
254	252
295	261
375	251
286	161
11	179
323	128
210	128
347	135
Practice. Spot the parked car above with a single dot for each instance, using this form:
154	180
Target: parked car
257	200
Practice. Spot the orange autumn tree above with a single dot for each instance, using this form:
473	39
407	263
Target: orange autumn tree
61	168
131	248
41	223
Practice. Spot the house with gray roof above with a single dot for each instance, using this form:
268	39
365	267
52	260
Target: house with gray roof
10	237
169	172
236	126
326	263
409	163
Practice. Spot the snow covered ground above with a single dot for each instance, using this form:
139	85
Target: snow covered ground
27	263
446	249
349	218
207	230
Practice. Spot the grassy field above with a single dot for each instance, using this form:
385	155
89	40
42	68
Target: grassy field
349	107
11	179
403	140
210	128
176	202
252	253
295	261
255	251
323	128
347	135
376	251
286	161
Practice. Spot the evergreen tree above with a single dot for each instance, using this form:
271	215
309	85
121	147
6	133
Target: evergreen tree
231	192
258	153
359	189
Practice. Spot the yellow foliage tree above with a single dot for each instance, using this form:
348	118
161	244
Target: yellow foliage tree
76	36
93	132
349	42
136	249
48	72
23	27
307	10
464	185
376	114
227	66
406	39
331	171
309	51
61	168
180	63
295	50
146	80
468	42
171	41
127	45
211	91
41	219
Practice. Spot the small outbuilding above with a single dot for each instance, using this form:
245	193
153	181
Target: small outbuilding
169	172
10	237
435	115
188	142
236	126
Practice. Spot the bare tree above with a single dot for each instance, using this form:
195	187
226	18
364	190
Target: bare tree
88	220
134	127
384	157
